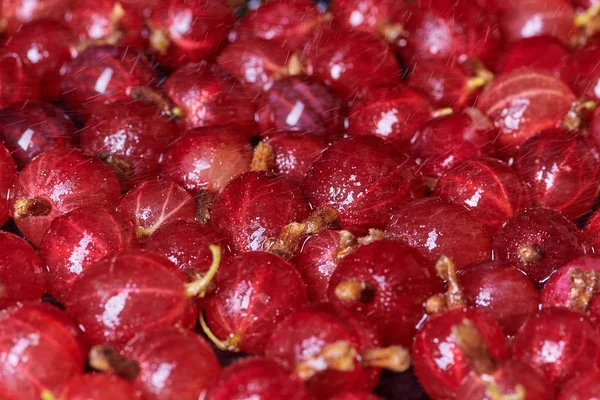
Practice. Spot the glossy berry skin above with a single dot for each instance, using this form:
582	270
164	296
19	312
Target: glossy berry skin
186	244
182	31
104	74
21	271
98	387
442	143
440	365
125	293
130	137
560	170
438	228
507	378
544	53
260	379
15	13
77	240
191	364
528	18
351	61
488	187
44	46
501	291
390	112
355	396
41	350
155	203
254	292
209	95
8	176
365	15
580	74
207	158
254	207
299	104
551	237
31	128
364	179
402	280
523	102
585	387
16	82
305	332
592	232
64	179
295	153
561	343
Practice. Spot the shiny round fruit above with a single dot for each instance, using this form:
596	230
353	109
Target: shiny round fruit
56	182
592	232
386	282
32	128
15	13
255	206
206	158
544	53
17	83
438	228
364	179
371	16
77	240
8	176
523	102
98	387
538	241
254	292
21	271
580	73
155	203
585	387
488	187
295	153
561	343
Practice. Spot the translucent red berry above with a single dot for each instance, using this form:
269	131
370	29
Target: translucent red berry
584	387
580	73
16	82
98	387
295	153
367	15
18	12
355	396
592	232
8	176
544	53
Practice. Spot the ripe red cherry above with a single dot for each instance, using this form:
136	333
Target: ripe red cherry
295	153
501	291
186	244
390	112
544	53
441	365
8	176
538	241
97	387
527	18
489	188
332	350
132	291
387	282
561	343
355	396
585	387
580	74
364	179
351	61
257	63
56	182
207	158
592	232
438	228
287	23
260	379
32	128
40	350
254	292
103	74
155	203
523	102
17	83
255	206
44	46
15	13
442	143
183	31
299	104
209	95
560	169
130	137
21	271
77	240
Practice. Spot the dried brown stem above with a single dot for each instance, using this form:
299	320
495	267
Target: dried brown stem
374	235
204	200
359	291
574	118
474	348
530	254
149	95
264	158
584	286
347	244
495	393
339	356
121	165
394	358
36	207
108	360
454	296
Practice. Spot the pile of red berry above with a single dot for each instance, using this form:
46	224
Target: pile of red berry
366	199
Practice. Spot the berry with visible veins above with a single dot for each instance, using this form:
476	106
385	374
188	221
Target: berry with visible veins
16	82
540	52
96	387
8	176
585	387
295	153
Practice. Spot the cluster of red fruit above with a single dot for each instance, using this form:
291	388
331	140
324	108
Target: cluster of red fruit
334	192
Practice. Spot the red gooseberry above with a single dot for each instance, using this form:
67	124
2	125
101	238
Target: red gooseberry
580	73
355	396
95	387
294	153
16	82
18	12
592	232
584	387
8	176
371	16
544	53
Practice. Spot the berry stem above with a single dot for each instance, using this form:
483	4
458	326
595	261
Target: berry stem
442	112
160	41
390	31
230	344
119	164
454	296
198	288
584	18
393	358
360	291
47	395
476	82
108	360
530	254
36	207
149	95
474	347
263	158
495	393
204	200
339	356
347	244
584	285
374	234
